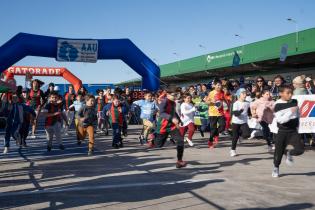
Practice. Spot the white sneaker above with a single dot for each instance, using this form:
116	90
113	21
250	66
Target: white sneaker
32	137
275	172
289	159
190	142
233	153
6	150
273	147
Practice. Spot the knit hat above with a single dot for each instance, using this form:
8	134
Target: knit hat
239	91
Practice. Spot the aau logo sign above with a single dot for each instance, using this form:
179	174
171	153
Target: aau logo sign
67	52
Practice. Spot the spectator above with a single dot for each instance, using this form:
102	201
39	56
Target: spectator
299	85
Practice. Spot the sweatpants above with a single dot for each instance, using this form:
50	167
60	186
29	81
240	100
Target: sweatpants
217	125
190	128
10	130
266	132
282	140
160	140
54	130
116	133
83	132
237	131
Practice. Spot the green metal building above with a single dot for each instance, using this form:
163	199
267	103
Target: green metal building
259	58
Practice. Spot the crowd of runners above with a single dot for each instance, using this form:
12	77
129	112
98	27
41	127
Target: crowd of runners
221	108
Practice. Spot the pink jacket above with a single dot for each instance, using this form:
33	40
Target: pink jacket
264	109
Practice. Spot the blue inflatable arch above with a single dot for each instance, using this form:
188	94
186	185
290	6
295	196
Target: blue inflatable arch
23	45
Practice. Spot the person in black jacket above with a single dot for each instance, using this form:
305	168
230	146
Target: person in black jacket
287	119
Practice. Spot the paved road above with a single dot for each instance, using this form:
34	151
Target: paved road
139	178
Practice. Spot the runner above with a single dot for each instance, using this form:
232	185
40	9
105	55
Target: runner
54	116
37	100
216	117
239	119
168	124
88	119
187	111
69	112
287	118
100	103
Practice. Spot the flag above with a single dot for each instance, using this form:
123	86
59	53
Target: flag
283	52
236	59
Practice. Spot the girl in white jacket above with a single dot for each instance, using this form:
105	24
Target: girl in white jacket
187	118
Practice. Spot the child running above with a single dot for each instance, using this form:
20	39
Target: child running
148	110
88	119
262	110
168	124
77	105
287	118
187	111
100	103
216	116
115	113
53	113
239	119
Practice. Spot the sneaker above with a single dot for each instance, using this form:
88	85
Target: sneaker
275	172
48	148
32	137
233	153
273	147
150	144
202	134
116	146
190	142
289	159
66	134
216	140
270	148
252	135
90	152
181	164
140	139
210	145
121	145
61	147
6	150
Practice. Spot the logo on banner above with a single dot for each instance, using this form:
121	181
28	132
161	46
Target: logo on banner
307	109
77	50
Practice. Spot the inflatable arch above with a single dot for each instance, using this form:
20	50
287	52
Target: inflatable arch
44	71
22	45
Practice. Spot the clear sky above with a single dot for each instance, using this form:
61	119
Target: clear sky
158	27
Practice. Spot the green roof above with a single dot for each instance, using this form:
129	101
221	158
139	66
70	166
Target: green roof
249	53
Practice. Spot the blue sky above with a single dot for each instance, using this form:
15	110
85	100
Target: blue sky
159	28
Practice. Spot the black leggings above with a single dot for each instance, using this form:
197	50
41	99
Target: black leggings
282	140
237	131
160	140
217	125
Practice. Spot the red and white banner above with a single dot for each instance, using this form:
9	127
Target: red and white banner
36	71
307	113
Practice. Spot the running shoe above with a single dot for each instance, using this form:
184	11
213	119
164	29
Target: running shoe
190	142
32	137
275	172
90	152
181	164
233	153
289	159
6	150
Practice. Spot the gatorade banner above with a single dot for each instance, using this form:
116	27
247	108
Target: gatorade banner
307	113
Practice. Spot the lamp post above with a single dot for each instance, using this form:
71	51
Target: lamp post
178	60
242	43
291	20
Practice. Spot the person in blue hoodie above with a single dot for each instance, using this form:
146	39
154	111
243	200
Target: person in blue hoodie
14	122
148	111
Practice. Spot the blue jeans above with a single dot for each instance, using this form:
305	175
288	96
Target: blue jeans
9	131
116	133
